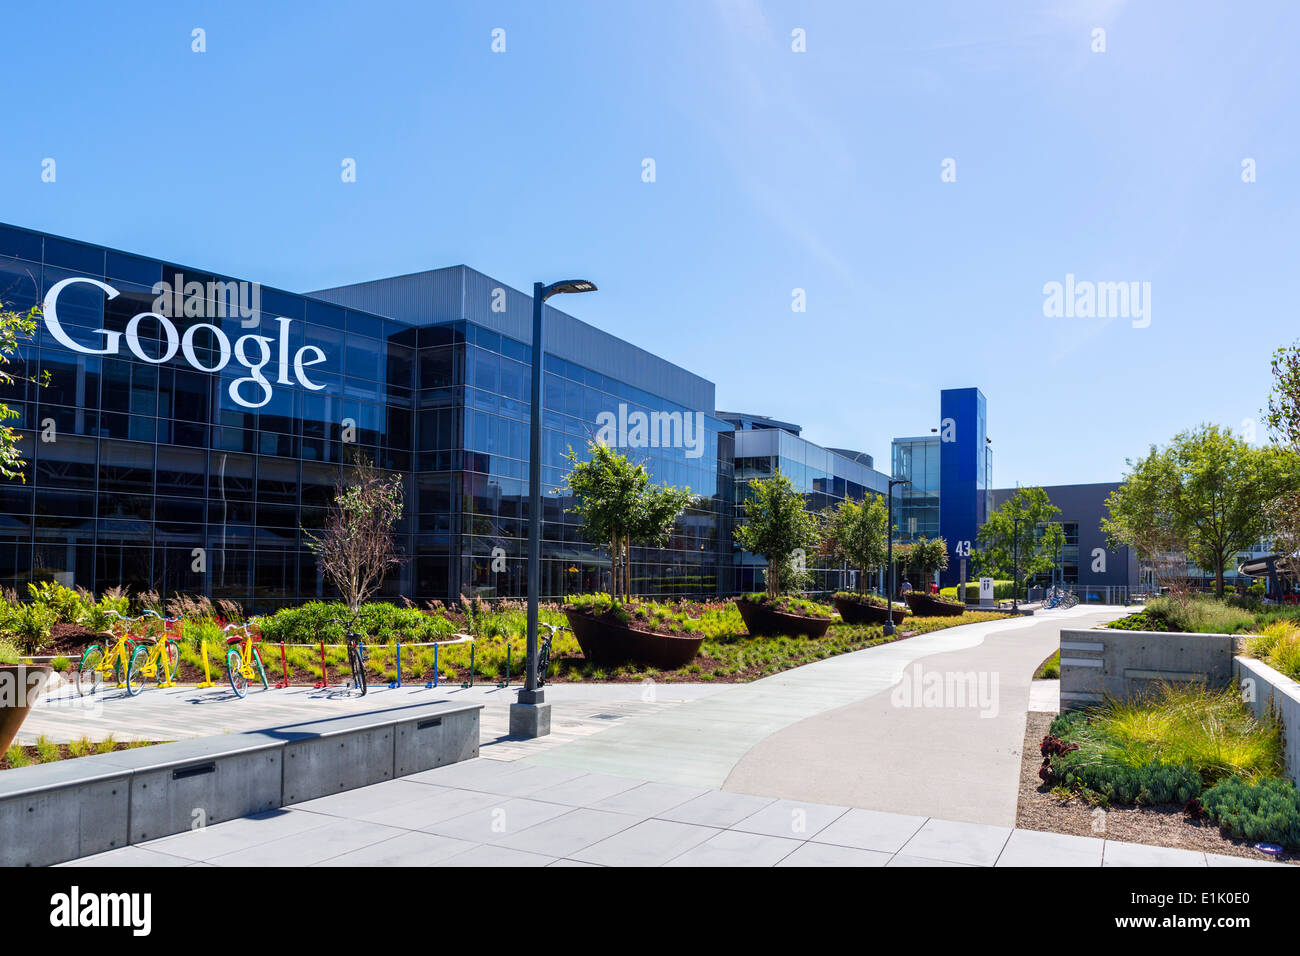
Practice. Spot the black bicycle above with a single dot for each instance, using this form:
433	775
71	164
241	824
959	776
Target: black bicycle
356	652
544	650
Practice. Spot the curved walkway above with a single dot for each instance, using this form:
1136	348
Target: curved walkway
820	732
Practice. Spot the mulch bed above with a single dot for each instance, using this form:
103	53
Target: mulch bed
1161	825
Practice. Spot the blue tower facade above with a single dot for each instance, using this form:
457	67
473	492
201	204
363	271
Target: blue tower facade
965	474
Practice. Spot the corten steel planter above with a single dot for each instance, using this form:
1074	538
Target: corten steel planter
606	640
20	685
864	612
761	620
926	605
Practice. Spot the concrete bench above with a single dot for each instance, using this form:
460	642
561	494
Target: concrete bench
54	812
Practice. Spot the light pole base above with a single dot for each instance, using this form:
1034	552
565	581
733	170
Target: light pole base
530	718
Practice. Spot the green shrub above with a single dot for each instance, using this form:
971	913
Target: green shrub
28	626
380	622
8	653
63	602
17	756
96	616
1145	784
60	664
1264	811
1002	591
46	749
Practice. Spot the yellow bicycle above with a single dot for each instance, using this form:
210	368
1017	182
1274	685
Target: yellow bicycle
156	655
243	660
111	659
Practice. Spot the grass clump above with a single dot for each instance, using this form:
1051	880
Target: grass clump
1192	615
1263	810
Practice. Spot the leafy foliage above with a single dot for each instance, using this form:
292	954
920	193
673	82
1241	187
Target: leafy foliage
776	526
857	533
1207	494
620	508
1019	536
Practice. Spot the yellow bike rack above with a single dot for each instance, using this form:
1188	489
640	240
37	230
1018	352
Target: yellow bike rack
207	669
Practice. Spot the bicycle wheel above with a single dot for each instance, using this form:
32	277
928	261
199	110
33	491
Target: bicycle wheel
234	670
135	671
358	668
543	662
261	671
88	676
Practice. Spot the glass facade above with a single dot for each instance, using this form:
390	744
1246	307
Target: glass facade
187	452
823	477
916	506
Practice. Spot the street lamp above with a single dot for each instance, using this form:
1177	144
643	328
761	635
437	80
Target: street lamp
1015	562
530	716
889	529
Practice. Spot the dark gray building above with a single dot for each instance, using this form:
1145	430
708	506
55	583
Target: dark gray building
1087	562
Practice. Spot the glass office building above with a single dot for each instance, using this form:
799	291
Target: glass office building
188	433
824	477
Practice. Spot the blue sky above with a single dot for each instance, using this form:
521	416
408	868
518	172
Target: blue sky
775	170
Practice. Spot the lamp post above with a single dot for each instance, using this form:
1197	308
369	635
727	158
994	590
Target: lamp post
1015	562
530	716
889	531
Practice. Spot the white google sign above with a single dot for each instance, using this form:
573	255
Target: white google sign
264	347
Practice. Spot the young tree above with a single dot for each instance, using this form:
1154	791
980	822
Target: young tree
857	533
13	326
926	557
358	545
1208	490
776	526
1283	418
620	508
1011	541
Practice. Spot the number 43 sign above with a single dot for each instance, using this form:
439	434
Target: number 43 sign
962	549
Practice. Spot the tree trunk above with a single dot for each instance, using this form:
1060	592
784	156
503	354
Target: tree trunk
1218	577
627	568
773	578
613	568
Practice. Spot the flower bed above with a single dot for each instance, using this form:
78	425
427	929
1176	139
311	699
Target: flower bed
866	609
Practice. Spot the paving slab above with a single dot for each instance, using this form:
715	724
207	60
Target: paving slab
408	849
648	843
791	818
131	856
717	808
503	817
242	834
495	856
737	848
649	799
951	841
827	854
309	846
1138	854
871	830
585	789
565	835
1037	848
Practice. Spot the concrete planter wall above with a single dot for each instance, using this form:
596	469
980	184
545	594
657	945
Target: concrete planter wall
54	812
1105	663
1269	691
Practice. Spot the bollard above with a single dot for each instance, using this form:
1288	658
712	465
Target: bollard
207	669
399	667
434	682
324	674
506	682
471	669
284	664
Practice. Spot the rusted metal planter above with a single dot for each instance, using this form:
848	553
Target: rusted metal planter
925	605
761	620
20	685
863	612
605	640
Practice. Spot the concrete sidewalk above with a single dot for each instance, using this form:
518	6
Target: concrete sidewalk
708	743
945	741
495	813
